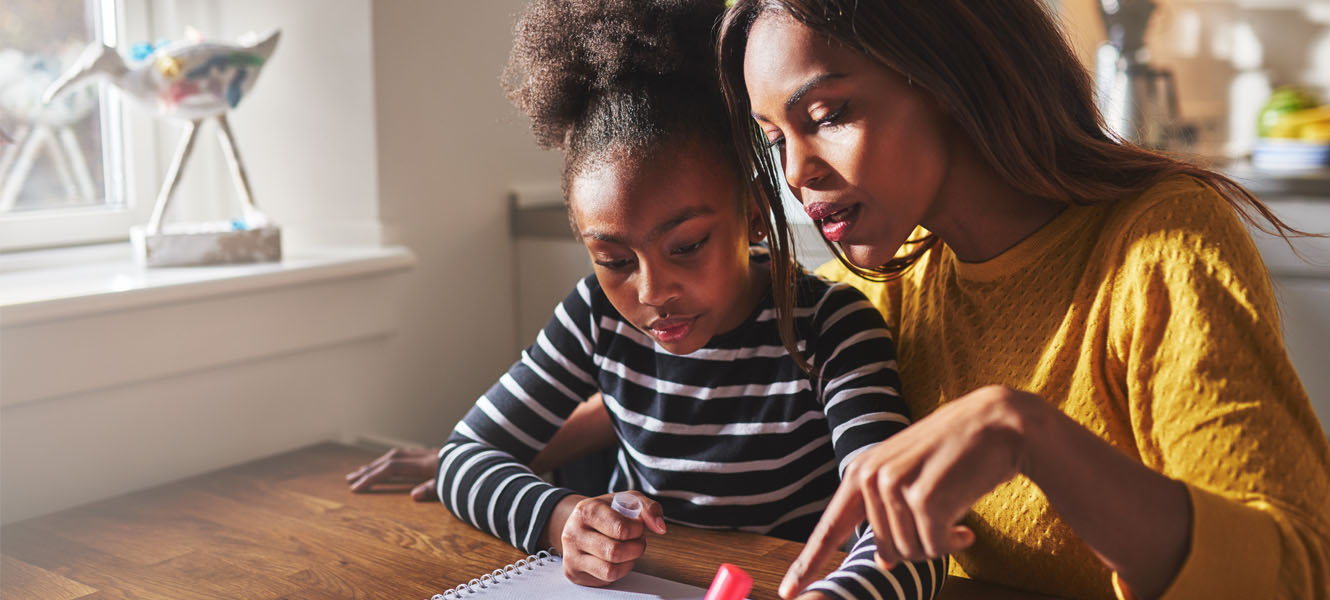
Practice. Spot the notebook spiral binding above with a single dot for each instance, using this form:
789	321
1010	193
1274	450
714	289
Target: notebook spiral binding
489	580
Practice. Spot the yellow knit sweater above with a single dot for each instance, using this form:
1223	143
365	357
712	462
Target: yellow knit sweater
1152	322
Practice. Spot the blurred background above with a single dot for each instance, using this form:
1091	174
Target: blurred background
424	233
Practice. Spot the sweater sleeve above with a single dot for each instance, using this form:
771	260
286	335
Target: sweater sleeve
482	473
855	361
1215	403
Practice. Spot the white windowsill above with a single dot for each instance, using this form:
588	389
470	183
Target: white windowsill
43	285
66	316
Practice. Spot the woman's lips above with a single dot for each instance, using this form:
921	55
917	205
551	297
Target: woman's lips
833	219
671	330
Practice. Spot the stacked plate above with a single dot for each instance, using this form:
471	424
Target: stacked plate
1274	154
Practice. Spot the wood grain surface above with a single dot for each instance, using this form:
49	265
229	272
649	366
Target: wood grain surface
288	527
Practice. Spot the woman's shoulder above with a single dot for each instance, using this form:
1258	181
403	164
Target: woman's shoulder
1185	234
1175	208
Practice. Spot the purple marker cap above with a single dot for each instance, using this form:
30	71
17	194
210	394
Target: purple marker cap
626	504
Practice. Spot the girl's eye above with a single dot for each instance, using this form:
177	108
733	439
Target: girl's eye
690	248
777	143
615	265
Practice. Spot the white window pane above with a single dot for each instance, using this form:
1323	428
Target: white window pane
57	156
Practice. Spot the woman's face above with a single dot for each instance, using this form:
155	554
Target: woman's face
669	242
864	150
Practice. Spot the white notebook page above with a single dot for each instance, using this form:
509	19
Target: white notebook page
546	582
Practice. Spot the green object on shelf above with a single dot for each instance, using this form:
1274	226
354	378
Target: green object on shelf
1284	100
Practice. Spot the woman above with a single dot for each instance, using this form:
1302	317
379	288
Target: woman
1087	324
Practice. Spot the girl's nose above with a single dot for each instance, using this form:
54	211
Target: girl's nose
655	286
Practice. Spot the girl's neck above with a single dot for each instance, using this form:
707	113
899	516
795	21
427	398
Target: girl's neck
977	214
759	282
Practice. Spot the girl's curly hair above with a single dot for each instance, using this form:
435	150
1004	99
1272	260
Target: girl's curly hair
624	74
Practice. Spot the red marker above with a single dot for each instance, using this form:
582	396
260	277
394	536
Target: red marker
731	583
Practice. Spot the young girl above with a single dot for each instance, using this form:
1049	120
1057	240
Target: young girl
1088	323
718	425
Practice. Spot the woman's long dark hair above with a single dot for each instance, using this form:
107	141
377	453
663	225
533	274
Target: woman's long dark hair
1003	71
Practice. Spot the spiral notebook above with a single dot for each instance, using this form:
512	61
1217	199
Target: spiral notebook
541	576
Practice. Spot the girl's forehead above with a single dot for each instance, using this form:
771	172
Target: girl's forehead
631	195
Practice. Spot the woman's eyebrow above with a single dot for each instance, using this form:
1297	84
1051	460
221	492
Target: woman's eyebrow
803	90
808	86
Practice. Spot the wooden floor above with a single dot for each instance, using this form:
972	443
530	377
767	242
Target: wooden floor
287	527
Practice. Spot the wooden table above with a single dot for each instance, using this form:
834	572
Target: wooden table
287	527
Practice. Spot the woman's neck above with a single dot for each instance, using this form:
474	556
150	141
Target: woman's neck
977	214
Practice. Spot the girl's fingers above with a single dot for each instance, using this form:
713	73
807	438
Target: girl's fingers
365	467
595	556
600	517
371	477
386	457
577	568
843	513
425	492
652	515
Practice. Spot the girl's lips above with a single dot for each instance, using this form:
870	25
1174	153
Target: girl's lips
671	330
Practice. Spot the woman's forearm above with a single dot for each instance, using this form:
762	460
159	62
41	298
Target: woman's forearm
1137	520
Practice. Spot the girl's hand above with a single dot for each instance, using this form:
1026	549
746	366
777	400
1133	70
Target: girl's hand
916	486
400	466
599	545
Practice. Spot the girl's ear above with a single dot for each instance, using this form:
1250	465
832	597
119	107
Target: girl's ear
757	229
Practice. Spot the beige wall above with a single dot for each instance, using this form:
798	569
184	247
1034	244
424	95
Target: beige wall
449	146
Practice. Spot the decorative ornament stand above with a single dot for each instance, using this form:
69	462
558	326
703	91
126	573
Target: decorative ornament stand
191	81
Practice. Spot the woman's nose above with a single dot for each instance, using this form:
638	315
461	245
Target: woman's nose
803	167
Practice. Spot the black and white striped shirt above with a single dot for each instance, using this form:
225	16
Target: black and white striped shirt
731	436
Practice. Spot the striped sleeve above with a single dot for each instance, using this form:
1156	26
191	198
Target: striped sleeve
859	388
482	474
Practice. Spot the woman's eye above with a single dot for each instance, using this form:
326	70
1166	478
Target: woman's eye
832	117
690	248
777	142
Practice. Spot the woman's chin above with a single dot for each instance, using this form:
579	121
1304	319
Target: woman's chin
866	256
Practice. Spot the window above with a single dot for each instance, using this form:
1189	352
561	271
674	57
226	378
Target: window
64	178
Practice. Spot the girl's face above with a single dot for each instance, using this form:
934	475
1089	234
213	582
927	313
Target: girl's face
669	242
864	150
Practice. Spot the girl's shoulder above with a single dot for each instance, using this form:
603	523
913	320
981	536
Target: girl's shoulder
587	298
824	300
